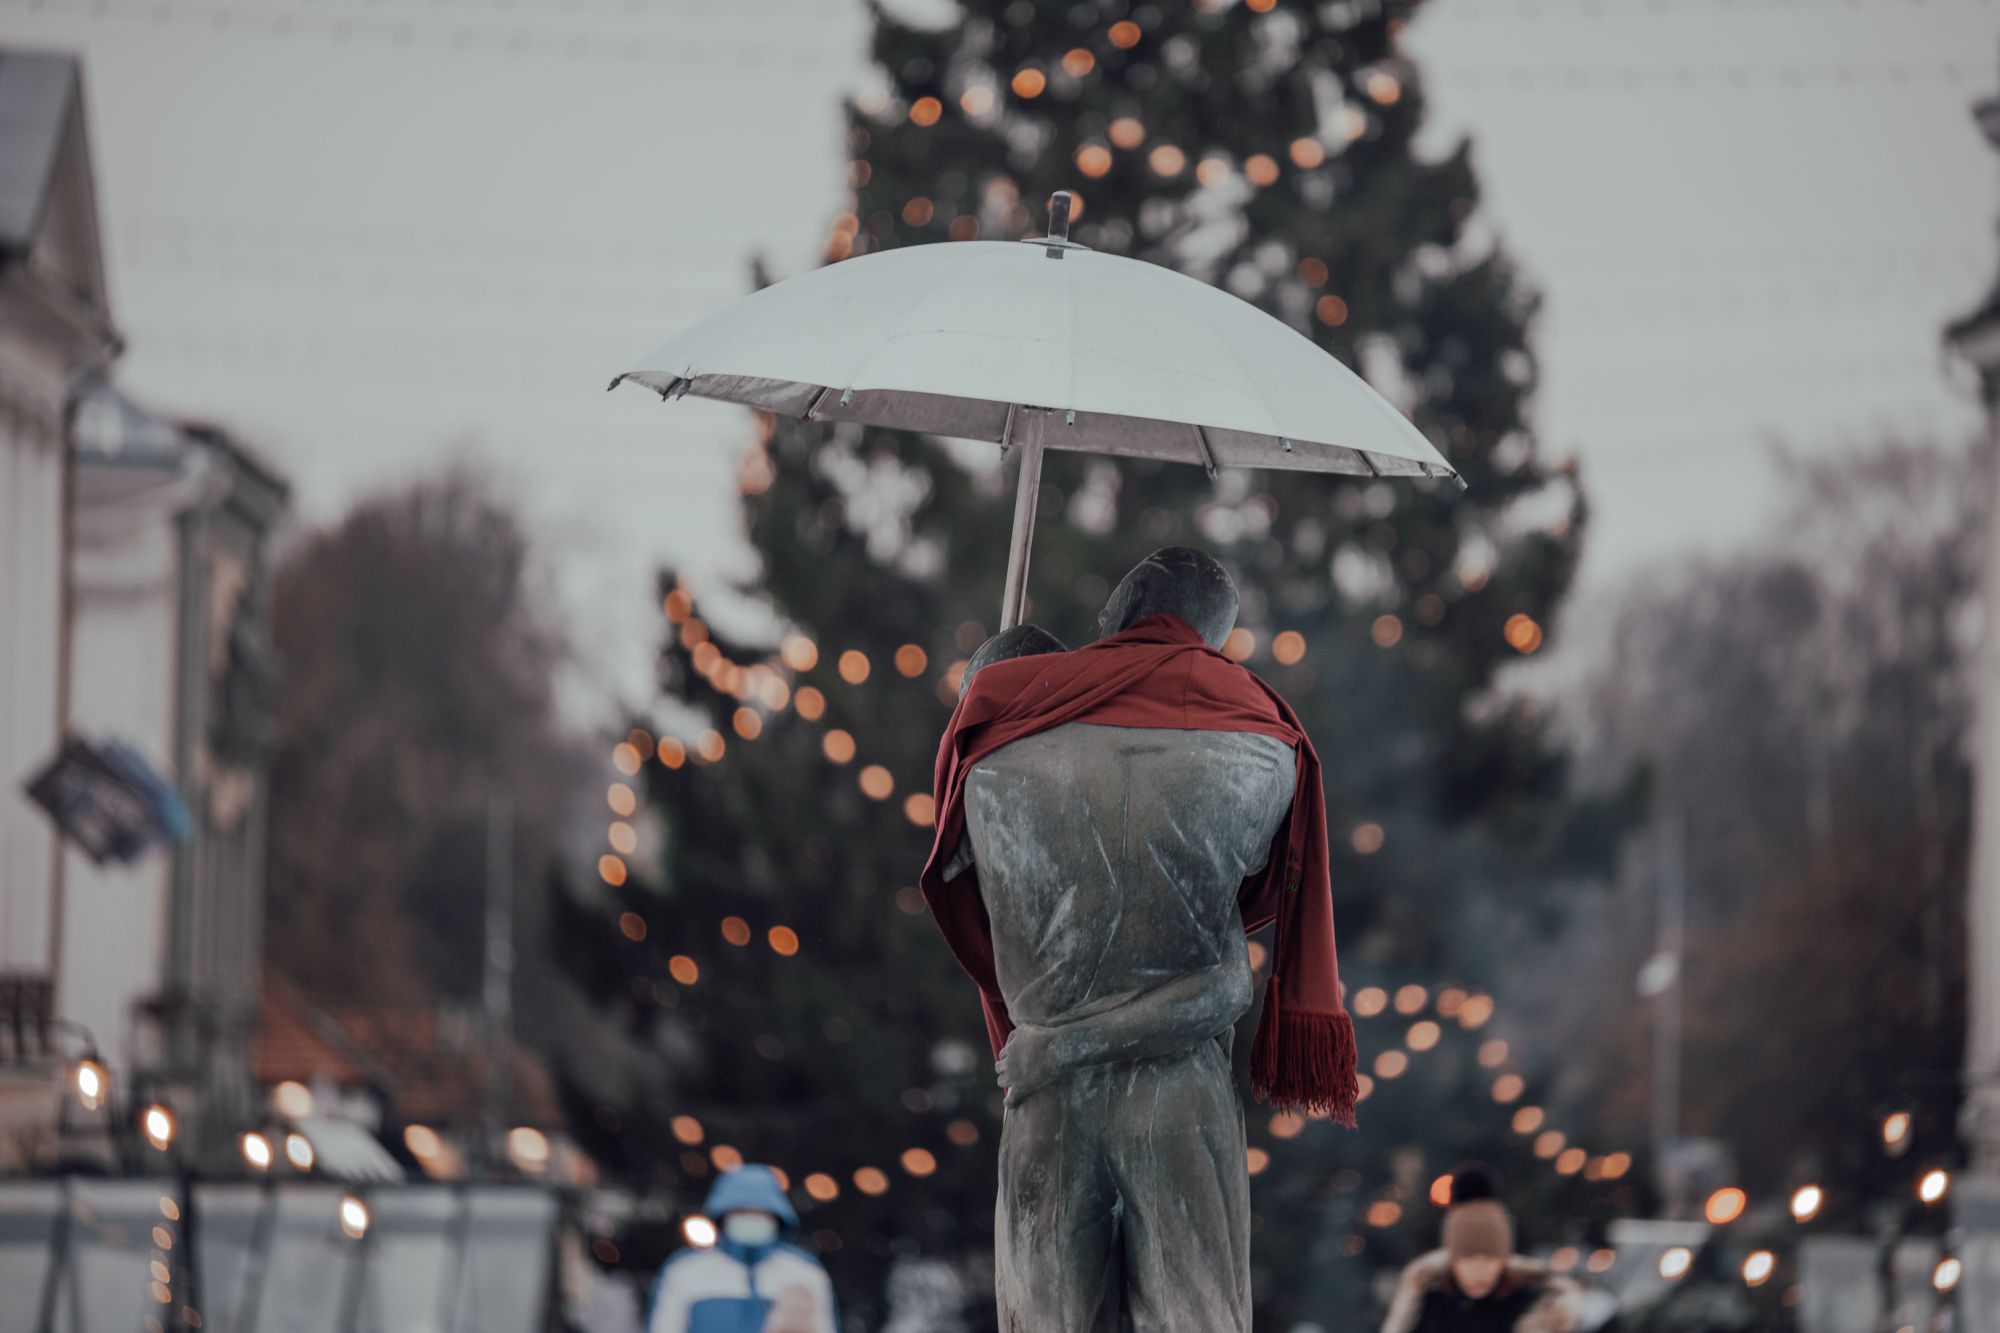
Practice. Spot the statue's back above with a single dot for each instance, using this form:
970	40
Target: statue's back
1110	857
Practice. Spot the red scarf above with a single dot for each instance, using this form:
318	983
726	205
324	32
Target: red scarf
1159	673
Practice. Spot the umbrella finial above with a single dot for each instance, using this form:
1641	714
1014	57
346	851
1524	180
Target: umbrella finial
1058	236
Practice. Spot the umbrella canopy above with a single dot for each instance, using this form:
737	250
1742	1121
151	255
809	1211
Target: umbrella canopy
1044	344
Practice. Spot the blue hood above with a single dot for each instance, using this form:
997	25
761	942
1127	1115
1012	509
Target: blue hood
755	1187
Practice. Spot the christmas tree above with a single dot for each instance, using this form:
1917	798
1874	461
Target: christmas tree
773	944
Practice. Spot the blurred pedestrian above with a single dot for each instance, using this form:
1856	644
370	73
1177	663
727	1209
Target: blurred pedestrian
1475	1283
753	1279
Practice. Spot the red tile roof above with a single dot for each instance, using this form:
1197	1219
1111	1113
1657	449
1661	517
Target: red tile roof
428	1068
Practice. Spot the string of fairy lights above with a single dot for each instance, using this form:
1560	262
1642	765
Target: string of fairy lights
772	685
986	103
1426	1015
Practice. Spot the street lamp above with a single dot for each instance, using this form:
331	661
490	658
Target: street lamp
1945	1276
1806	1202
1896	1133
257	1152
1934	1185
159	1126
299	1151
1757	1268
90	1082
699	1231
354	1216
1675	1263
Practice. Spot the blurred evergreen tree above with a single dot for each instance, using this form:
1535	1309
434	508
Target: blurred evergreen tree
1267	146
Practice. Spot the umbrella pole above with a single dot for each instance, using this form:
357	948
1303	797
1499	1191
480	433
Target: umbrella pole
1027	491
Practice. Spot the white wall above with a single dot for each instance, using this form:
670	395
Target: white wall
123	618
31	580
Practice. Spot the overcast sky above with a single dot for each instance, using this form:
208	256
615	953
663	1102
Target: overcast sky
368	242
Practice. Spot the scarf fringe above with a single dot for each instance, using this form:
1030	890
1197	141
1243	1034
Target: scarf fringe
1305	1061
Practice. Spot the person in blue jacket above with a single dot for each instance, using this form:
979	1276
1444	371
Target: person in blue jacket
753	1279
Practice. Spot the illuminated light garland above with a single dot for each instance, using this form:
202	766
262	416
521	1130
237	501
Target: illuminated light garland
1565	1158
799	652
1471	1010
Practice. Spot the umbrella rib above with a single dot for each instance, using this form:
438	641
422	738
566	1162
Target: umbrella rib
1207	454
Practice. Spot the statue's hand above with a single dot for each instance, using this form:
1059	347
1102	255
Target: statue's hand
1026	1062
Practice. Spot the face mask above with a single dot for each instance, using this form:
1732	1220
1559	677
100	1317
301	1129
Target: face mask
751	1229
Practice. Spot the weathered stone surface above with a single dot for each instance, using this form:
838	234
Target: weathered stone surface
1109	861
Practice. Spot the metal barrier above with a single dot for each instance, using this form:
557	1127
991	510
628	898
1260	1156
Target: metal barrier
87	1255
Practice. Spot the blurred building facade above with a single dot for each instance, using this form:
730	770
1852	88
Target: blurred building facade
55	327
169	654
132	569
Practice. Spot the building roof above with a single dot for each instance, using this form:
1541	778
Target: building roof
428	1069
37	91
50	250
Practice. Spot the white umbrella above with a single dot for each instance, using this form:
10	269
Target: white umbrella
1043	344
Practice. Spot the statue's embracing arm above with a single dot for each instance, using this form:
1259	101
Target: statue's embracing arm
1167	1020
